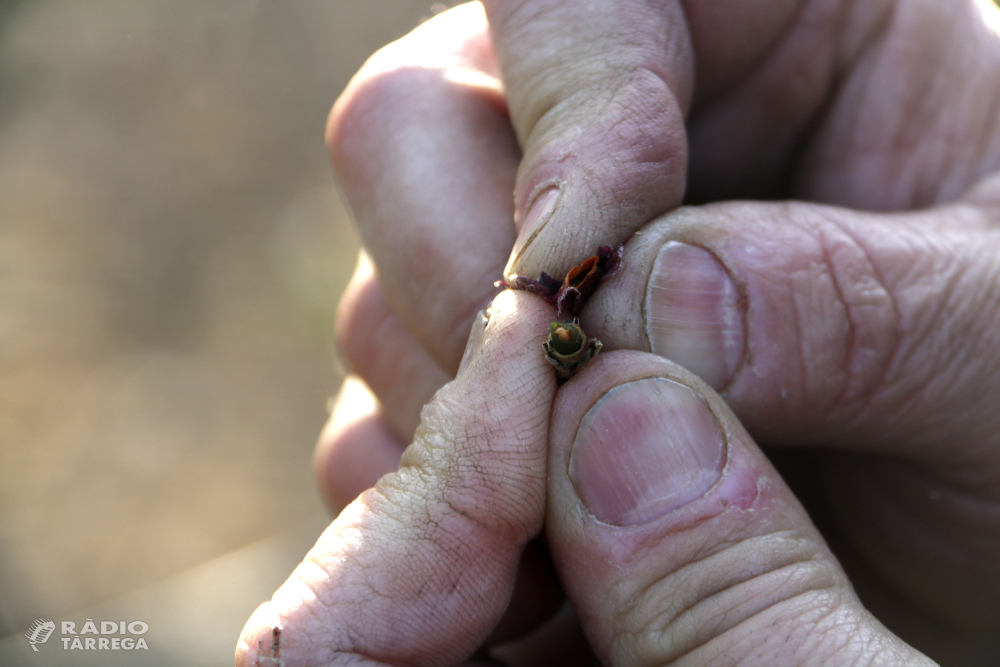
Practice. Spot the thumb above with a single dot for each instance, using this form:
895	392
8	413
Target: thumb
597	93
676	540
420	569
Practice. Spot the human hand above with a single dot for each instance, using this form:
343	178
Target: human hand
675	538
476	166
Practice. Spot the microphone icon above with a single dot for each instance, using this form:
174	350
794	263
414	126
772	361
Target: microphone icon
39	632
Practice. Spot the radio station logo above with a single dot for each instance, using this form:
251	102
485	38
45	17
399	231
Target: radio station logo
110	636
39	632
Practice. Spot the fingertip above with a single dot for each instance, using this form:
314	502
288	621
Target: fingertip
600	121
644	449
517	321
453	38
638	436
355	448
260	642
422	567
663	511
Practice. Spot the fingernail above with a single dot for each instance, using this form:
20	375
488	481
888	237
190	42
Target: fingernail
260	640
475	341
644	449
694	315
537	216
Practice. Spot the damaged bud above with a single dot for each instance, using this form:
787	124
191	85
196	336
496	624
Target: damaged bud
568	349
569	295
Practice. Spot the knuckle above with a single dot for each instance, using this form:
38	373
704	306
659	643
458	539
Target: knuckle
870	312
629	121
639	115
373	99
743	585
942	291
847	317
402	70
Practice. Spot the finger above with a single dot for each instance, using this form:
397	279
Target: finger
364	436
874	334
597	93
356	446
678	542
422	146
847	103
420	569
374	344
825	325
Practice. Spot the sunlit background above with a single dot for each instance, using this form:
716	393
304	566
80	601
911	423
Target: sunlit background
172	249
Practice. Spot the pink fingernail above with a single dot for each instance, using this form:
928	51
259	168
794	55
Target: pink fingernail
475	341
644	449
537	216
260	639
694	315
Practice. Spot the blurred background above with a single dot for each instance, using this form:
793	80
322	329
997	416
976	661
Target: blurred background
172	249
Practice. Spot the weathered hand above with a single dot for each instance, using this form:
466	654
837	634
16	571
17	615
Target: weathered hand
871	333
674	536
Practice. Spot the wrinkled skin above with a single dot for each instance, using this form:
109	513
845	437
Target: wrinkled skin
841	162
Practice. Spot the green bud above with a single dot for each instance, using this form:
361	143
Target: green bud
568	349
